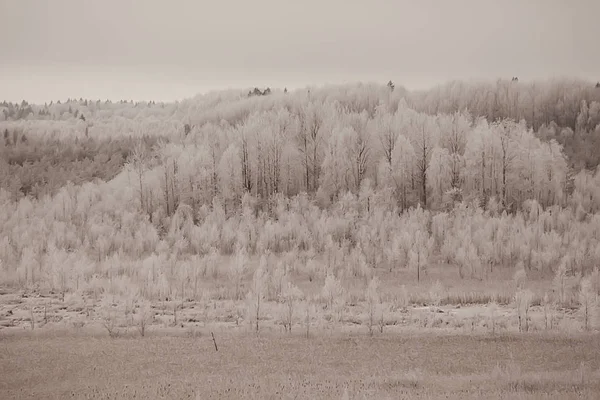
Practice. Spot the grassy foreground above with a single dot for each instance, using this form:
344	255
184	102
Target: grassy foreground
516	366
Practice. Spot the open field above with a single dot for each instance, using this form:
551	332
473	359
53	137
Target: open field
532	366
462	347
460	342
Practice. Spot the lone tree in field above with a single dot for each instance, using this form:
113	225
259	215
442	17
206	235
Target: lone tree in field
109	315
256	296
372	299
560	282
549	308
588	303
523	300
290	295
237	270
145	315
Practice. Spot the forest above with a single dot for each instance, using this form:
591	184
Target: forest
332	196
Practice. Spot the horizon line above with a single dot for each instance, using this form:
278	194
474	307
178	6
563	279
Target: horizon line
322	85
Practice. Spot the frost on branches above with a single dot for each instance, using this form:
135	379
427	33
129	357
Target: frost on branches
336	186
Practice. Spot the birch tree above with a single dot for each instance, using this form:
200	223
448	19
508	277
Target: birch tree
424	135
404	162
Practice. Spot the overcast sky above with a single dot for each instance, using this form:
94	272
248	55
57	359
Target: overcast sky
166	50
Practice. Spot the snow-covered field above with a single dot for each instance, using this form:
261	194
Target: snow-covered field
30	312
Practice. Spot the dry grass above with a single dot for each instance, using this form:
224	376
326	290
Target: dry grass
440	341
392	366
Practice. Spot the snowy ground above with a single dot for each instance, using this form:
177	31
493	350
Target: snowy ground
32	312
455	351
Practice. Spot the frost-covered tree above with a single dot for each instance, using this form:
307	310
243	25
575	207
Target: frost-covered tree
309	140
588	303
256	295
139	163
335	176
237	270
357	148
477	156
373	300
403	167
290	295
505	132
420	252
559	282
440	176
523	300
468	260
333	294
424	134
230	176
454	129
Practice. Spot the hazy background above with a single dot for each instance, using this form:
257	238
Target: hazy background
166	50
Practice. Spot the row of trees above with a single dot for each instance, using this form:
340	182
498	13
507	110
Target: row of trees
570	103
327	150
71	108
96	232
327	141
564	101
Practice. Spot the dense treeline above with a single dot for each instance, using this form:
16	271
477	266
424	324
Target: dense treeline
573	104
335	139
561	109
36	167
337	180
92	238
566	110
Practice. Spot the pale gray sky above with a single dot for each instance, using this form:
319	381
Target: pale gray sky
166	50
